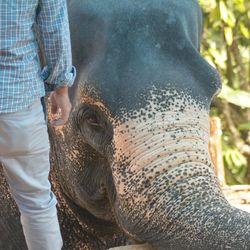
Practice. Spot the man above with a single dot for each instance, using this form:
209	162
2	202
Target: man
24	145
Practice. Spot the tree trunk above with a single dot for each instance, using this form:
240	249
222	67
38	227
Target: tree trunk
215	149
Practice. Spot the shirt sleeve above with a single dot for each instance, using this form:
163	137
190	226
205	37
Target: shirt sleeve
53	28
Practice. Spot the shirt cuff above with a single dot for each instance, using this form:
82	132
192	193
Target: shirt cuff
67	79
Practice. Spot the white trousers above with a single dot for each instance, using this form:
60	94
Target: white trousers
24	153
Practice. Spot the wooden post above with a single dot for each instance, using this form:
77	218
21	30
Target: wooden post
215	148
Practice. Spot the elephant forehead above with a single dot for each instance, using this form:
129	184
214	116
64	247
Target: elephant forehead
133	44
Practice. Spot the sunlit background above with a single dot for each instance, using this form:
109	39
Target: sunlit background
226	46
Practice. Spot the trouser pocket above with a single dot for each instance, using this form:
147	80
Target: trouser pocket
44	108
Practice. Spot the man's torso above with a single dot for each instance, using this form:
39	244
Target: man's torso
20	80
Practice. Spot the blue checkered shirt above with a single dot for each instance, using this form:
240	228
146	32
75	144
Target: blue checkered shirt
22	22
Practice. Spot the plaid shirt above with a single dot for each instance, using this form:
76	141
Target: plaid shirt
21	77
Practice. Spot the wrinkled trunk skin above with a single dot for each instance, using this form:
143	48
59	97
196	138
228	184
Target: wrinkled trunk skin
167	192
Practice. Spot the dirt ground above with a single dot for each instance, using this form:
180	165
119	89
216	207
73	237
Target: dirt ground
238	196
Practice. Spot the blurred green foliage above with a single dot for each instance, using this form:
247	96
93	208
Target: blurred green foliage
226	46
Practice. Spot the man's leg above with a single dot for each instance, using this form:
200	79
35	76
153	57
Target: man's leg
24	152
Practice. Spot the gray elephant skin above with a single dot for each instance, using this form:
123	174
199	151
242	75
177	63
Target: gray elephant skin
133	163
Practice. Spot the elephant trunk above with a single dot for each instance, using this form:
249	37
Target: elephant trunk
167	192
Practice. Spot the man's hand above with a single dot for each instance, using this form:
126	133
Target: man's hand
60	106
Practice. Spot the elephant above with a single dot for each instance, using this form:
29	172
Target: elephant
132	164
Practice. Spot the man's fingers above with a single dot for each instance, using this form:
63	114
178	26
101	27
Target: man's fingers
65	111
60	106
64	115
57	122
54	107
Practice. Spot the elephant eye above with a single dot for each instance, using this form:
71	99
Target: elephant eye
93	120
88	118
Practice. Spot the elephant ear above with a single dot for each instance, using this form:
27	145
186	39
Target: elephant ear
94	126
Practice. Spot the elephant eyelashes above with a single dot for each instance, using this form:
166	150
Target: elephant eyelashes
94	121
